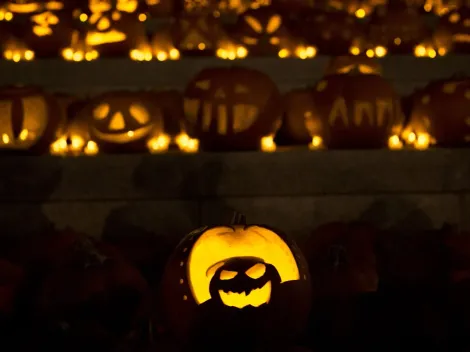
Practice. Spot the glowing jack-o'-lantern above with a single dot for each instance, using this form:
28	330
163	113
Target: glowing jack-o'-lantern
29	119
236	269
232	109
114	28
332	33
440	114
358	8
453	31
197	34
263	32
124	121
37	29
397	28
355	110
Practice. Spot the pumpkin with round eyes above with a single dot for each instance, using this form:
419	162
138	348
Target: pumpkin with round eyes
263	31
440	114
332	33
242	271
29	119
122	121
453	30
355	110
232	108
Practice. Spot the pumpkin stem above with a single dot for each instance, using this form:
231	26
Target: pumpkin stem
238	219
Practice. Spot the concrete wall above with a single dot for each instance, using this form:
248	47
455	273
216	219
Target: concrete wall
294	190
405	72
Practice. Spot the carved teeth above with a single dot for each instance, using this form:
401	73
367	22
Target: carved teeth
255	298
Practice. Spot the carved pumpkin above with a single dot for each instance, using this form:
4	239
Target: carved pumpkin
114	29
122	121
453	31
332	33
355	110
397	28
441	113
263	32
232	108
37	29
94	292
205	277
29	119
196	34
297	104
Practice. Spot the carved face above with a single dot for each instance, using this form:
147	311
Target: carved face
398	28
27	117
333	33
244	281
261	30
455	29
355	111
441	109
123	117
232	106
196	32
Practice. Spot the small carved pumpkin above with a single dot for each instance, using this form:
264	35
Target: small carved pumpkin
29	119
442	110
232	108
114	29
38	29
397	28
453	30
355	110
332	33
262	31
196	34
122	120
205	277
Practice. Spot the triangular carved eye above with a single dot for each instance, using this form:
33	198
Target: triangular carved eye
254	24
273	24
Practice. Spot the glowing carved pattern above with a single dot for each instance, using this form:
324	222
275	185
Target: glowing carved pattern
376	113
222	243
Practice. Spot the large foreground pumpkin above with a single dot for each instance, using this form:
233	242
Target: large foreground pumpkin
247	281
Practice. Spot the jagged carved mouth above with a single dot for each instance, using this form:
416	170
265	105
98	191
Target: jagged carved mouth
255	297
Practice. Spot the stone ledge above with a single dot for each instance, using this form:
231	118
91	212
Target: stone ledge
296	173
406	72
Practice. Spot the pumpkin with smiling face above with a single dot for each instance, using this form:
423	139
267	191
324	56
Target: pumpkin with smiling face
231	108
245	275
122	121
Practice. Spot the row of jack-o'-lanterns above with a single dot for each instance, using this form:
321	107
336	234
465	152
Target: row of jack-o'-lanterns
84	30
237	108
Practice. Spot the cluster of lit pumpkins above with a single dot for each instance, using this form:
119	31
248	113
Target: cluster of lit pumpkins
236	108
81	30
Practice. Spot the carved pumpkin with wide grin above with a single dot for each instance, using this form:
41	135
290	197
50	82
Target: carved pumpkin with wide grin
122	120
251	271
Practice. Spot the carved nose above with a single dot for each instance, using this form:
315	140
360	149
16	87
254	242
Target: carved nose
117	122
